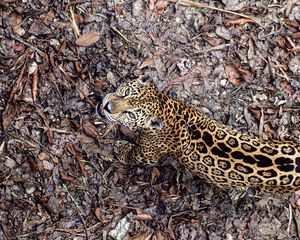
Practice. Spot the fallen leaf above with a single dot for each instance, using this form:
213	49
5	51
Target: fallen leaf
143	217
84	139
239	21
16	19
99	215
90	130
76	152
292	23
101	84
212	41
18	47
140	236
296	35
160	7
246	75
155	173
233	75
68	178
147	62
42	156
88	39
6	231
34	85
282	42
48	165
158	236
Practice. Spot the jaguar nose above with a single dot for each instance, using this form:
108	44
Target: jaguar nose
107	107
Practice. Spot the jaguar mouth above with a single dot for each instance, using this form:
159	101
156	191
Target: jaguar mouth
100	110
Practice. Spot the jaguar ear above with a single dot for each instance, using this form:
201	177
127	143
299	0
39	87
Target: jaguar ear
155	123
146	78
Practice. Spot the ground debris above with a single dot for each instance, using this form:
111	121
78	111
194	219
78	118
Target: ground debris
236	60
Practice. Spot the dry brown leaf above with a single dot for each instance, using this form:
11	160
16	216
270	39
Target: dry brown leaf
101	84
48	165
139	236
62	47
42	156
16	19
239	21
99	215
158	236
233	75
282	42
18	48
170	230
212	41
147	62
246	74
292	23
160	7
88	39
65	177
143	217
296	35
76	152
155	173
34	85
84	139
6	231
90	130
43	116
78	18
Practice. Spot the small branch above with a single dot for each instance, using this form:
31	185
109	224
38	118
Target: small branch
79	212
190	3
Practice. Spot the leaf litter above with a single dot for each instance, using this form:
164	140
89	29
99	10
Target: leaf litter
238	61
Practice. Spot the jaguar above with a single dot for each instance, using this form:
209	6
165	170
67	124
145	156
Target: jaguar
214	151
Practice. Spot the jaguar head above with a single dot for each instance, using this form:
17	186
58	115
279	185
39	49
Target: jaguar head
137	104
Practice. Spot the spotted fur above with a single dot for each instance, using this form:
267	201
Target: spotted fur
215	152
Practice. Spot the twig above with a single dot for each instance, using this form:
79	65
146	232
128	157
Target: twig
190	3
80	213
282	71
216	48
70	80
55	130
121	34
181	79
28	45
290	219
261	123
75	27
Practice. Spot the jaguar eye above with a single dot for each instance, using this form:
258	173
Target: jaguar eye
131	115
127	92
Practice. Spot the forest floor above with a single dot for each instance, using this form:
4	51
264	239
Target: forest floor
58	177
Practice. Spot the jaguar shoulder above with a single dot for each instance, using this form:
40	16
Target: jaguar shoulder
214	151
